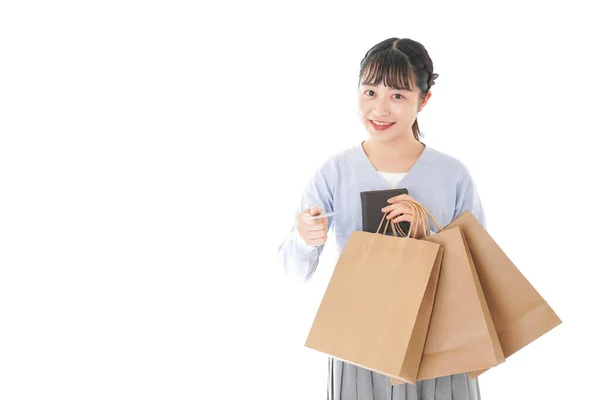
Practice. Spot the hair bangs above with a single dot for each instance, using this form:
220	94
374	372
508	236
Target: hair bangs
391	67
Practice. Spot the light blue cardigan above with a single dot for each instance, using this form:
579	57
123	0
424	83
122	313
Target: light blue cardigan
438	181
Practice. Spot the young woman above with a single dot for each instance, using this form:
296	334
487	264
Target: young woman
395	79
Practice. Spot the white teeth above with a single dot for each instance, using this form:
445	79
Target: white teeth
381	123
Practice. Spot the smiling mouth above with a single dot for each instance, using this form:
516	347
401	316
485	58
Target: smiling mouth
382	123
380	126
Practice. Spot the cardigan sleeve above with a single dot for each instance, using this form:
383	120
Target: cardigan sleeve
299	260
467	199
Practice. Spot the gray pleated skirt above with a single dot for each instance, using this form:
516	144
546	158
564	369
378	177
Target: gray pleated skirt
349	382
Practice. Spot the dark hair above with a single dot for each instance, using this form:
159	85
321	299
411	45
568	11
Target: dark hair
401	64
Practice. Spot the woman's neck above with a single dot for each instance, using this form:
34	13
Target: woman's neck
397	150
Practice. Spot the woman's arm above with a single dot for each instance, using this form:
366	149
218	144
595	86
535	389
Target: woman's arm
300	260
467	199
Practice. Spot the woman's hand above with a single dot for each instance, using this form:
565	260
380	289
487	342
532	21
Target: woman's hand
313	232
399	211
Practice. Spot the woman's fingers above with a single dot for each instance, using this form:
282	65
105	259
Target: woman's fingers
311	235
401	197
321	226
396	209
314	224
317	242
314	231
404	217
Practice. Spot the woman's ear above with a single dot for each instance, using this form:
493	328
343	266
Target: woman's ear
424	101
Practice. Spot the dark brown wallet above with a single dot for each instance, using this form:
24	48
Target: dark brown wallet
372	202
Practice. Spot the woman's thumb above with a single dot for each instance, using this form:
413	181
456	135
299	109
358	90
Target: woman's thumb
314	211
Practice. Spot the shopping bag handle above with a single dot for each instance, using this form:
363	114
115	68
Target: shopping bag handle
395	226
420	212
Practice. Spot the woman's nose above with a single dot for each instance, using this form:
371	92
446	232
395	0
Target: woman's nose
382	108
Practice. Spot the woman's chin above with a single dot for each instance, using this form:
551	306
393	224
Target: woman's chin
383	136
387	135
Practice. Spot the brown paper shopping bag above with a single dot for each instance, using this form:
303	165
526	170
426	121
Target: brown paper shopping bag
519	313
461	335
376	308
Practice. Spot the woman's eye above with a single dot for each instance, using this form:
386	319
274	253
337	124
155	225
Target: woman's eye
397	96
369	93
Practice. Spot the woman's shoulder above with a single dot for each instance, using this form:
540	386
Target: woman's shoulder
447	162
341	158
348	152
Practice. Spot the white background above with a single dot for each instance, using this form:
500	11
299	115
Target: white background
152	156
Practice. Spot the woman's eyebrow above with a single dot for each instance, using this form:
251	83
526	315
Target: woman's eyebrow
390	88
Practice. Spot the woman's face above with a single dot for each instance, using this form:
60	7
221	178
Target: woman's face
389	113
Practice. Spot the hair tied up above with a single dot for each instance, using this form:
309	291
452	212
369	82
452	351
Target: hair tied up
432	79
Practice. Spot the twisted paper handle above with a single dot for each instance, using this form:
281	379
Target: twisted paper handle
420	218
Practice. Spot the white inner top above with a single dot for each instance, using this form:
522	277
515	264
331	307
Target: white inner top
393	177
